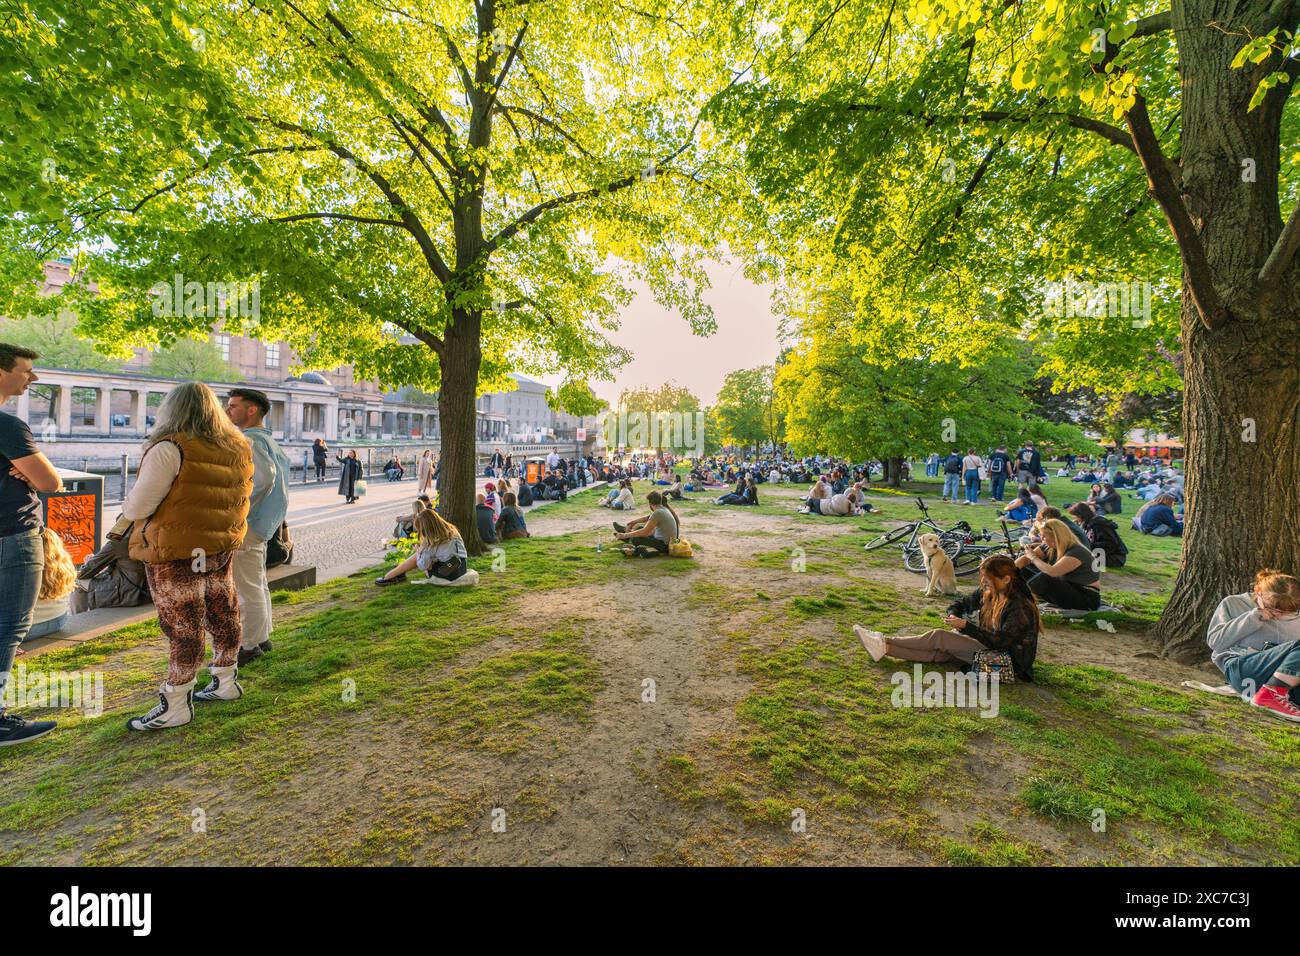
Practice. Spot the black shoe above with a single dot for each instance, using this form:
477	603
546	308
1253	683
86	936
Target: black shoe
15	730
619	528
265	646
384	582
249	654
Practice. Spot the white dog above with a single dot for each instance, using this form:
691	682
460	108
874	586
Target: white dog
941	578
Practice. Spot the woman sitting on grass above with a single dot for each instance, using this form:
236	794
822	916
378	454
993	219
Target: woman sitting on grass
1060	570
406	523
1105	499
510	523
1102	533
655	531
1157	517
1254	639
1001	615
746	493
675	490
439	551
620	498
1020	508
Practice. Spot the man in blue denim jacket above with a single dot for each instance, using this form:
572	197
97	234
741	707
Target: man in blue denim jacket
268	504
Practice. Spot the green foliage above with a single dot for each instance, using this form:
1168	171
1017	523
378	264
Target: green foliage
746	412
55	337
192	360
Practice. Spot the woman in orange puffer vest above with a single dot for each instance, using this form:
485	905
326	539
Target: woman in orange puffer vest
189	506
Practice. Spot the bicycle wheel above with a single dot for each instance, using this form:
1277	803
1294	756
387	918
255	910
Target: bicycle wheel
914	559
969	558
890	537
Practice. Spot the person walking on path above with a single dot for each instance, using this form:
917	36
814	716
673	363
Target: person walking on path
24	472
424	472
189	510
349	475
268	505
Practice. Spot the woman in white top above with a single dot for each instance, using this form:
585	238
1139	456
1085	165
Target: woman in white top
970	468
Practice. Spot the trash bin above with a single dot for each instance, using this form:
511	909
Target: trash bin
76	514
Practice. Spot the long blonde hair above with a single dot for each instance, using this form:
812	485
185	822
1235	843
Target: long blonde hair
433	529
1060	533
60	574
193	410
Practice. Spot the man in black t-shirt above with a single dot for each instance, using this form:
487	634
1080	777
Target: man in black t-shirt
999	468
24	471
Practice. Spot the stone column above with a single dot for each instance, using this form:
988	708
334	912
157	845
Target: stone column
104	409
63	410
24	410
140	411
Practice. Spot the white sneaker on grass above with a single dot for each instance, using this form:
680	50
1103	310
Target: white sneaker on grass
873	641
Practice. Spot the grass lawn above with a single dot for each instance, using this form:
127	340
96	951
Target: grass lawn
581	707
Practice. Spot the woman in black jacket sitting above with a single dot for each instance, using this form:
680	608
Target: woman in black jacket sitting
1105	499
1102	533
1001	615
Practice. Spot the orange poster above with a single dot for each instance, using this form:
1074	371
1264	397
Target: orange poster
72	518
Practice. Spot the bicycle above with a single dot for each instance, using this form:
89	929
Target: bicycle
911	529
971	554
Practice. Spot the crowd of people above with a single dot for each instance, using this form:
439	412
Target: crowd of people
212	491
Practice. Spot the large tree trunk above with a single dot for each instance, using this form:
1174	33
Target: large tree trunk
1241	381
460	364
893	472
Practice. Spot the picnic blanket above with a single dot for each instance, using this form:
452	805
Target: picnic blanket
467	579
1223	690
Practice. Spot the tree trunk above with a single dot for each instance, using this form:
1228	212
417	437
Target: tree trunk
893	472
1241	381
460	361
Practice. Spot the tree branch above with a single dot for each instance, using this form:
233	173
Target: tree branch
372	220
1196	267
1283	253
409	219
1112	134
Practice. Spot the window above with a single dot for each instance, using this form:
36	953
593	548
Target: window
273	356
223	343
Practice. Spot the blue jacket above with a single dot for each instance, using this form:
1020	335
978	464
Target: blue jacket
1157	515
269	502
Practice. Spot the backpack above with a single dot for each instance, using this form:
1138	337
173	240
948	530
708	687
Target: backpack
952	465
681	548
279	548
995	464
121	584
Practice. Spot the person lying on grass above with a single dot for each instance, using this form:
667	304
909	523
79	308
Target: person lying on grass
1254	639
842	505
1001	615
1060	570
439	551
654	531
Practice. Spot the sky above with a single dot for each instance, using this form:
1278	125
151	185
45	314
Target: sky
664	348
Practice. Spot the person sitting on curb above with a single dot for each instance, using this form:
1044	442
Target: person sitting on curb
1254	639
1001	615
439	551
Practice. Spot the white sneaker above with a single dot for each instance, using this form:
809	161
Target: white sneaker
175	709
224	685
873	641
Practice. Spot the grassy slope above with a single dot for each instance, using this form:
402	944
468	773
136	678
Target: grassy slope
489	679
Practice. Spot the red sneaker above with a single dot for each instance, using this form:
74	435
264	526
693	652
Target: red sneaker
1275	699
